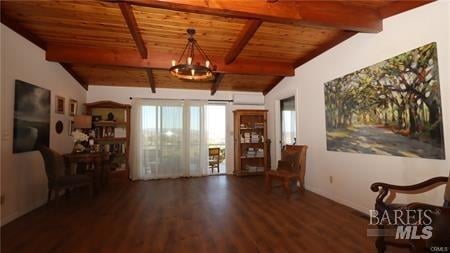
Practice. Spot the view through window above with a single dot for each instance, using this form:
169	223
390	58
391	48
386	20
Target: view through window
216	131
288	121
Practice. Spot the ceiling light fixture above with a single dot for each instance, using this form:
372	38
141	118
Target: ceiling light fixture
186	68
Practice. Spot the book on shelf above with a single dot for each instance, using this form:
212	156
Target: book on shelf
259	152
250	152
113	148
252	137
253	153
120	132
249	168
98	132
108	132
259	125
246	137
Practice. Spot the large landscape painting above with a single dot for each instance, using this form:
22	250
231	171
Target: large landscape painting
390	108
31	117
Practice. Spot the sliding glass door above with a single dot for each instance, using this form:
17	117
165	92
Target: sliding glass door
216	126
162	132
196	146
169	139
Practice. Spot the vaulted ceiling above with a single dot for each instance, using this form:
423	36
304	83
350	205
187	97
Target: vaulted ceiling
254	43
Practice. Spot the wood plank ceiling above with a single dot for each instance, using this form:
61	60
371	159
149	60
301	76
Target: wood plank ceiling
130	43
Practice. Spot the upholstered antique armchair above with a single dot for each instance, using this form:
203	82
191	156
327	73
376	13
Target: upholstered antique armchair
58	176
290	168
440	215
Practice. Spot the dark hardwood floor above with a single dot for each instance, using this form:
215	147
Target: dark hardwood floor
209	214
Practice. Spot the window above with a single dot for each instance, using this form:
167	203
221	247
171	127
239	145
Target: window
288	121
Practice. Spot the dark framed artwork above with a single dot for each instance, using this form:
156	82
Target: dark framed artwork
390	108
73	107
70	127
60	104
31	117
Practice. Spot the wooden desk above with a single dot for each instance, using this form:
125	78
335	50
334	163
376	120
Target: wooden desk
99	172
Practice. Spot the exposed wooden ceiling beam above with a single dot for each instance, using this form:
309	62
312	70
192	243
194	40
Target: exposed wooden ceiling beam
215	85
332	14
77	77
159	60
397	7
151	79
273	84
321	49
128	15
243	38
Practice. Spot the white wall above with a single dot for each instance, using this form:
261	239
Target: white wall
23	180
354	173
123	94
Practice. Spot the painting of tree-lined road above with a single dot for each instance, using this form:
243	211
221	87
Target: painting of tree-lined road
390	108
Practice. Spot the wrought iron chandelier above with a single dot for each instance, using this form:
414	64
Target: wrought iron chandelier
186	68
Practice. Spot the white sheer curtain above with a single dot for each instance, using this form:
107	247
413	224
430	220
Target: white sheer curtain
196	148
168	139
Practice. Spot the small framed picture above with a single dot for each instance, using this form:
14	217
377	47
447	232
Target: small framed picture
59	104
73	107
70	127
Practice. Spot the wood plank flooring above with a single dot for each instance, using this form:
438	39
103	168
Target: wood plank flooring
208	214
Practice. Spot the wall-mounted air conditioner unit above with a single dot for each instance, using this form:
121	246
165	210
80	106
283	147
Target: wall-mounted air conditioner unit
248	99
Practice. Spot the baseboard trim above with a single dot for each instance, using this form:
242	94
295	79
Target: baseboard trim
7	219
360	210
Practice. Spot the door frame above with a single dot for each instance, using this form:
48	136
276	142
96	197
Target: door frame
291	93
228	143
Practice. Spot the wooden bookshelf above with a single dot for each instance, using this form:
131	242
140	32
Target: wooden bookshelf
112	136
250	142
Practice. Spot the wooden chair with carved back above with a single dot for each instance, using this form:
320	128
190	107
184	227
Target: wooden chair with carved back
440	215
291	167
